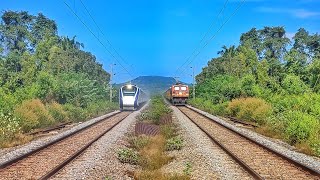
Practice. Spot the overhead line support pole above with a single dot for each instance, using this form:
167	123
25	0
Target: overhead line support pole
193	84
111	77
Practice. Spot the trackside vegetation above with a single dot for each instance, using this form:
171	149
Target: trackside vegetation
270	80
45	78
149	152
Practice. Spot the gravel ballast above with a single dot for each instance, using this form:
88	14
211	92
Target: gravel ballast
100	160
11	153
207	160
311	162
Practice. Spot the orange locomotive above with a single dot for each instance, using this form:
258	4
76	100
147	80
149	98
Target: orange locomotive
178	94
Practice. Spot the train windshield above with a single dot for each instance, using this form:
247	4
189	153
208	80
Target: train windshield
183	88
129	90
176	88
128	93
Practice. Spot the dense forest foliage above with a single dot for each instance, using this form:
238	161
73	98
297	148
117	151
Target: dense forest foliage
45	78
268	79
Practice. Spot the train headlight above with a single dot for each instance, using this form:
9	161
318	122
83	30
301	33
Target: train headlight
129	86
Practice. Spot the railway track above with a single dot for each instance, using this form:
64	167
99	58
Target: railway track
237	121
42	131
46	161
257	159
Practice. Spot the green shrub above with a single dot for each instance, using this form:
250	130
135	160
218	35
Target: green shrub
44	85
156	110
209	106
301	126
315	144
251	109
139	142
127	155
247	85
301	103
220	88
188	168
75	114
9	127
174	143
108	178
33	114
7	101
282	103
168	131
100	107
276	125
57	112
196	102
78	89
220	109
294	85
143	116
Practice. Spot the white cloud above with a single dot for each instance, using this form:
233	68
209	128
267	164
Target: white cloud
299	13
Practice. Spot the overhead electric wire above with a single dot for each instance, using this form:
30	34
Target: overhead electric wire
96	24
205	35
96	37
215	34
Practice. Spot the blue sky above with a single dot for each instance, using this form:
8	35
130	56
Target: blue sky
156	37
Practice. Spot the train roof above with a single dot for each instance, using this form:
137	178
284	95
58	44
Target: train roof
180	84
132	85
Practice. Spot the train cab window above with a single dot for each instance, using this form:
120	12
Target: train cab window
183	88
128	93
176	88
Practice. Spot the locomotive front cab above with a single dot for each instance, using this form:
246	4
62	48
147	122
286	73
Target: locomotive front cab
180	94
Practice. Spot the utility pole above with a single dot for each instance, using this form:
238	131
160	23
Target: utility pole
193	85
111	77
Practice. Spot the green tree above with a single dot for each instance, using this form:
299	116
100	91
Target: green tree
15	30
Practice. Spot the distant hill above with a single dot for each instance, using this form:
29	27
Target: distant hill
152	84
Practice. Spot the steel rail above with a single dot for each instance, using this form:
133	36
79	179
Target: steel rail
298	164
252	172
25	155
41	131
235	120
79	152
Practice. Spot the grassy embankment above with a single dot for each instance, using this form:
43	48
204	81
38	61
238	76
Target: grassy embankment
34	114
290	118
149	152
